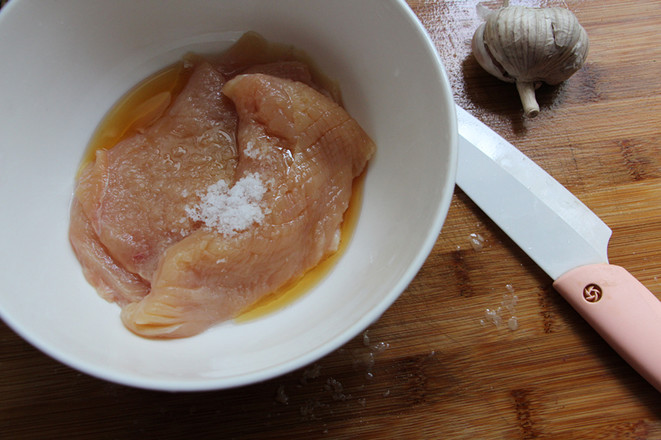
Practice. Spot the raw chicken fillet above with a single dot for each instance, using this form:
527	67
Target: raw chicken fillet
239	188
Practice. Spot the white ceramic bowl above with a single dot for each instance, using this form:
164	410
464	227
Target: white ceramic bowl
65	63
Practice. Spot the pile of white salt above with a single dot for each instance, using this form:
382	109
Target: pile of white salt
228	210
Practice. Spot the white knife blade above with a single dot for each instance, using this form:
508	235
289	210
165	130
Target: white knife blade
567	240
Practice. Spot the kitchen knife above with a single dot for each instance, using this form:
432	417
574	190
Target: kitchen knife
567	240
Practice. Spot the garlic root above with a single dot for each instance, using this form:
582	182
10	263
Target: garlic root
528	46
527	93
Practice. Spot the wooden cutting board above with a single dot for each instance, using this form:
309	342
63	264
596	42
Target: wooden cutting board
436	365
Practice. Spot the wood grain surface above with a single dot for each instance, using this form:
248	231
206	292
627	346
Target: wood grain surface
435	366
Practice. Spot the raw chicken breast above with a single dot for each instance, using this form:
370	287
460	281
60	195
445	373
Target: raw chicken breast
298	154
111	280
237	189
134	194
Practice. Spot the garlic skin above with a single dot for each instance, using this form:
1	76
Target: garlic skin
528	46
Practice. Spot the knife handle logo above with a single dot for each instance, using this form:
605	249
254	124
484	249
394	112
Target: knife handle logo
592	293
628	318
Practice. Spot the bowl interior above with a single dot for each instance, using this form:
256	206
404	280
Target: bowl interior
67	62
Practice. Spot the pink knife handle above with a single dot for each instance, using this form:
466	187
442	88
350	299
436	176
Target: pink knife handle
623	311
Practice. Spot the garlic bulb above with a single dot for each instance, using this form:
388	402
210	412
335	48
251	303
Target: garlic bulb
528	46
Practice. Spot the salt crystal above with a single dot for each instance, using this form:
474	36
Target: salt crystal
252	151
310	373
493	316
508	304
366	339
513	323
280	395
477	241
229	210
336	389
